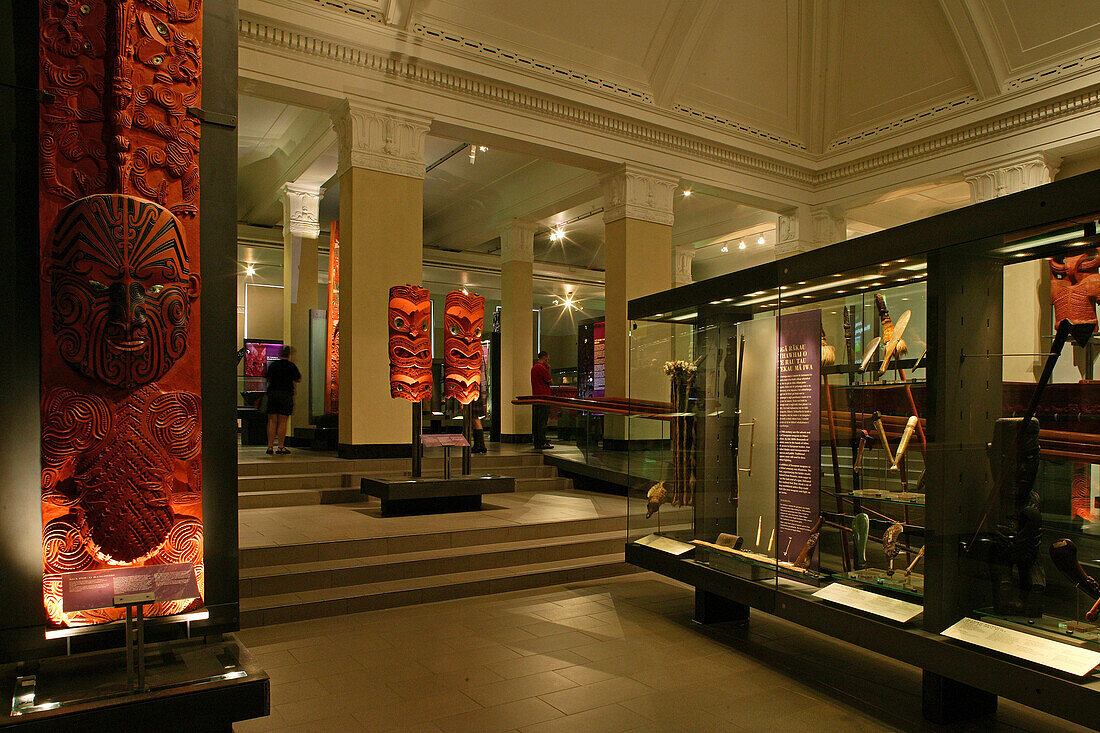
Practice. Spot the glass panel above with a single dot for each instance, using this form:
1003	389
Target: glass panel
1031	550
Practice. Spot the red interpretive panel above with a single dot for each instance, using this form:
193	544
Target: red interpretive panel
119	244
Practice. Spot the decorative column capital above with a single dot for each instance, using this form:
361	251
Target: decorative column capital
379	139
802	229
826	227
633	192
1010	175
517	241
301	203
682	259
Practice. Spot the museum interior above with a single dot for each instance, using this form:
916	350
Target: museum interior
532	365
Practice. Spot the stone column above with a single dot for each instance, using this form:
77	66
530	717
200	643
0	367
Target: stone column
381	171
637	217
1026	284
516	328
301	227
803	229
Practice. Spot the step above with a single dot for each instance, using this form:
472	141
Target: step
299	577
273	466
298	606
254	557
298	497
330	479
554	483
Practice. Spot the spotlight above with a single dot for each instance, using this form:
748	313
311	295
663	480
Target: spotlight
687	192
557	233
760	240
249	270
741	244
725	248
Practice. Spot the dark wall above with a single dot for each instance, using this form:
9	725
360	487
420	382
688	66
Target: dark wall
218	257
22	619
21	614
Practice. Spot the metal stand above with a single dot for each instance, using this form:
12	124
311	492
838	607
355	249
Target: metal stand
417	449
138	682
446	462
468	434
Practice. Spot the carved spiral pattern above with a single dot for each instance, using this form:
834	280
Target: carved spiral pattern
174	422
63	547
184	543
71	423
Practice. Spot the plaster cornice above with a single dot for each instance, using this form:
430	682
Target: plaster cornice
268	35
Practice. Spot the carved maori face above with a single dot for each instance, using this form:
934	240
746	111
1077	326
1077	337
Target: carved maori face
410	343
121	289
168	49
1074	290
463	317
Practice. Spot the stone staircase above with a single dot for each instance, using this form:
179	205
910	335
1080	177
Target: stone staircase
292	482
412	562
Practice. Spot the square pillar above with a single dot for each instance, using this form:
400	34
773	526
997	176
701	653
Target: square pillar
1027	284
381	172
516	328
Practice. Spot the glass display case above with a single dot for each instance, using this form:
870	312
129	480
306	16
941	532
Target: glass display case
894	440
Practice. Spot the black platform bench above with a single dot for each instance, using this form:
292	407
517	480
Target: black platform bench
402	495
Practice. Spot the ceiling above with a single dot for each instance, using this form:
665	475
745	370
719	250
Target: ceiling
812	79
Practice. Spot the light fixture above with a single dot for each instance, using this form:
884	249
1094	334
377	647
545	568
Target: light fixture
741	245
725	248
760	240
687	192
557	233
555	301
249	270
473	154
465	291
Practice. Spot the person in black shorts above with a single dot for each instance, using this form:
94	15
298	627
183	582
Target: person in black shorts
281	376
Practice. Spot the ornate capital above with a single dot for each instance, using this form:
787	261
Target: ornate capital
682	259
786	229
802	230
379	139
1011	176
517	242
826	228
300	206
638	193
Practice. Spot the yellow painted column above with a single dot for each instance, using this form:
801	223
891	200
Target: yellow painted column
516	328
381	173
638	246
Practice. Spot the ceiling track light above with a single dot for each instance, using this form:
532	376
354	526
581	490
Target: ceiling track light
760	240
741	244
249	270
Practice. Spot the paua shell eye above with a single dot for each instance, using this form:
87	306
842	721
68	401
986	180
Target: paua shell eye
455	330
85	9
162	29
97	286
155	289
398	322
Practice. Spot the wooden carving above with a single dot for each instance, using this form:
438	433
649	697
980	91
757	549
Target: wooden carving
1074	290
463	317
410	315
332	342
119	233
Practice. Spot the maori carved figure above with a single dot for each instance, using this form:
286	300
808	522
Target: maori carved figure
410	313
332	343
1074	290
118	192
463	317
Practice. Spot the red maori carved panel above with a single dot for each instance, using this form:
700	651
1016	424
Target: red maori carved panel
1074	290
410	315
332	343
463	318
119	233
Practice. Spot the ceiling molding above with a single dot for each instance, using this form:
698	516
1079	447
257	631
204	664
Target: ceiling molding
315	143
977	44
266	35
670	65
902	123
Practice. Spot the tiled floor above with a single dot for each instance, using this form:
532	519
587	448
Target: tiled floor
595	657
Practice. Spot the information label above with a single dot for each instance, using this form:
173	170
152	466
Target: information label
799	454
91	589
1045	652
868	602
443	439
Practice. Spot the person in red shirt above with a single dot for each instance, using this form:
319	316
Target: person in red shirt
540	387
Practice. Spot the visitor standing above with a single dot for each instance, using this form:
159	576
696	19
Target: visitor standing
540	387
281	376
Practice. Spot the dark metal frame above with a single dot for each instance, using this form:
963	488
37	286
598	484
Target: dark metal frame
965	289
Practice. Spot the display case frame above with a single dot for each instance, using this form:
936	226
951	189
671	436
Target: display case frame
964	396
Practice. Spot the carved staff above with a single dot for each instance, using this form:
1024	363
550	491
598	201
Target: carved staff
828	357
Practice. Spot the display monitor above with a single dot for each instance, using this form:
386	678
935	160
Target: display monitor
257	355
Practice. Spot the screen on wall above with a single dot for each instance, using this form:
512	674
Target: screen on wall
257	355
